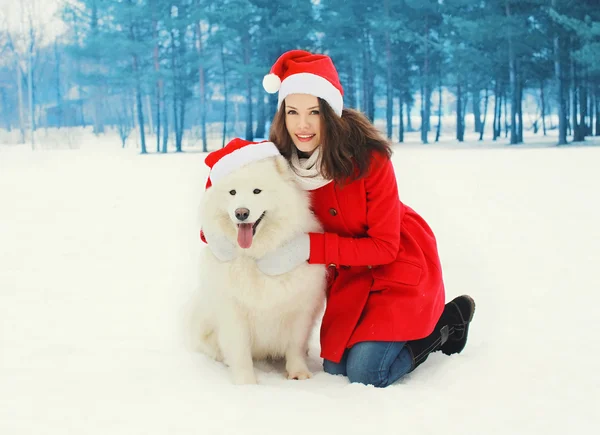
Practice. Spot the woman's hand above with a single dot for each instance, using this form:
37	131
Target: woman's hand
221	247
287	257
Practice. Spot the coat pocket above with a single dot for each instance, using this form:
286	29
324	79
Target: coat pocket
400	272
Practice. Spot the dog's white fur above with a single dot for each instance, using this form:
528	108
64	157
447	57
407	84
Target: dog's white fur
243	314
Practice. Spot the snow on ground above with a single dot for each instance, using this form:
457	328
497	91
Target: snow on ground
98	256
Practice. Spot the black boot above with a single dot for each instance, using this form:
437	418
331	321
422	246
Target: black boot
449	334
457	314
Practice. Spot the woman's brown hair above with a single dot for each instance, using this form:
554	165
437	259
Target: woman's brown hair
347	142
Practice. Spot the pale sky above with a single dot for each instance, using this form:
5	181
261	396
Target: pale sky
14	17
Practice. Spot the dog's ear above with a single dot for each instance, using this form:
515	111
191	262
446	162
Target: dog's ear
283	167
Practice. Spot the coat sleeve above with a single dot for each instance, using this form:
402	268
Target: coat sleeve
382	241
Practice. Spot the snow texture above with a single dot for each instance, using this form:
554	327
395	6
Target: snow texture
99	255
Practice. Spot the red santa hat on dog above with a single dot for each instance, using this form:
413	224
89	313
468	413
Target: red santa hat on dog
301	72
236	154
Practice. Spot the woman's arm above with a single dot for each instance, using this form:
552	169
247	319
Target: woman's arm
382	242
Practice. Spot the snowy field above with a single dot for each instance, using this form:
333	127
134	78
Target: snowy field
98	256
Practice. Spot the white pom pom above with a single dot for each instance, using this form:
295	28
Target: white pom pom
271	83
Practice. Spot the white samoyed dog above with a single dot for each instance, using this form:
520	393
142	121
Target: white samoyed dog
242	314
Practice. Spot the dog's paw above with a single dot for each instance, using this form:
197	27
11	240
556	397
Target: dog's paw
299	375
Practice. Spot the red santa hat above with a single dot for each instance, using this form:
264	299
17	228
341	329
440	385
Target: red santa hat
236	154
301	72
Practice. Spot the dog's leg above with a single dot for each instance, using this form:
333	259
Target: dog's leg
234	341
209	345
201	328
296	352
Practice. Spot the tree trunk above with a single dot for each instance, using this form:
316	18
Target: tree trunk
165	109
476	110
591	104
139	104
165	117
20	98
149	112
260	115
401	118
365	97
178	89
519	106
512	68
501	105
597	110
497	110
202	83
247	54
181	126
577	127
30	95
485	109
6	116
409	126
568	109
389	112
368	78
506	125
158	86
176	112
175	109
350	101
425	112
438	131
560	82
543	101
96	91
465	103
371	79
59	119
425	101
460	128
138	90
140	109
496	104
583	109
225	93
159	108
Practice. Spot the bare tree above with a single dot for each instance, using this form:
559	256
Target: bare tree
514	91
16	61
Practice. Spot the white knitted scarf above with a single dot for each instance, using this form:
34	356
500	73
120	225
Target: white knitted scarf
306	171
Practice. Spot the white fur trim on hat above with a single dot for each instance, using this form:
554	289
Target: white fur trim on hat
271	83
312	84
242	157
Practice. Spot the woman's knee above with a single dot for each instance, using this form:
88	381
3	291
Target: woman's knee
365	366
376	363
361	375
334	368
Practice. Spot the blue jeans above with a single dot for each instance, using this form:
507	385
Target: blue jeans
377	363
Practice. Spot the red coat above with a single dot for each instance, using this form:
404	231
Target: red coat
386	275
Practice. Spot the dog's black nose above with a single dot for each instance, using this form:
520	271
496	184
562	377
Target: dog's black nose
242	213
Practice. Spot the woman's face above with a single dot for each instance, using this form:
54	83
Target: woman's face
303	121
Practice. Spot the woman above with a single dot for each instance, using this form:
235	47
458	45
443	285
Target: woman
385	308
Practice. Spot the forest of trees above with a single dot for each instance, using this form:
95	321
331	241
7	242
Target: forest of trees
167	67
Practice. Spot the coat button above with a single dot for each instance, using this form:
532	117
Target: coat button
332	265
332	211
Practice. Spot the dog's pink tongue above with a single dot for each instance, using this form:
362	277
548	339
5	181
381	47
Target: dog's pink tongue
245	235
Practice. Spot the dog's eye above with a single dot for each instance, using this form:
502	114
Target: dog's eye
232	192
257	191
